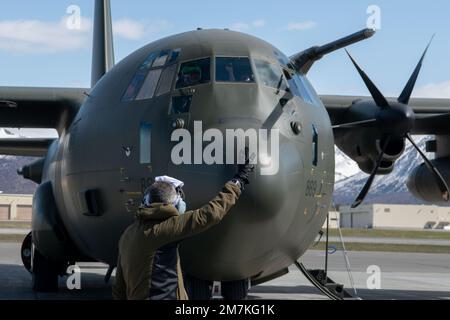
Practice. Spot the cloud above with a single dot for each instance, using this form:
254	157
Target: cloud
157	27
136	30
42	37
240	26
305	25
259	23
244	26
434	90
129	29
36	36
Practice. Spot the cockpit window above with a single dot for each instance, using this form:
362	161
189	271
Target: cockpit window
301	87
311	91
161	59
282	58
174	55
149	61
193	73
234	70
148	88
145	81
270	75
139	78
166	81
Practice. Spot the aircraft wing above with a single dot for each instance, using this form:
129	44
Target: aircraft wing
429	112
25	147
46	108
49	108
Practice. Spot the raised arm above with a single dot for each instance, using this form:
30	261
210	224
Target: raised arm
197	221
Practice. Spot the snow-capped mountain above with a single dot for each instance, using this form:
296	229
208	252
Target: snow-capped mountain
10	181
345	167
10	133
385	189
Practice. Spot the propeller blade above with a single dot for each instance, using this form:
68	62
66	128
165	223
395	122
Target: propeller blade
407	91
357	124
369	182
437	175
380	100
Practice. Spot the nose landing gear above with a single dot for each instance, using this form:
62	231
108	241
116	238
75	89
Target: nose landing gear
45	272
203	290
235	290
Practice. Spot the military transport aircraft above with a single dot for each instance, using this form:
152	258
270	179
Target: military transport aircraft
115	137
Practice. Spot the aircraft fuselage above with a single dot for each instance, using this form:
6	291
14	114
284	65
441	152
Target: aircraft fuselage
121	139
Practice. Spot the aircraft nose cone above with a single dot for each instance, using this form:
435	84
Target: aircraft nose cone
264	196
260	220
274	182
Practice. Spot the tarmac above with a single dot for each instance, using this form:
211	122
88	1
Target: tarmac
401	241
14	231
399	276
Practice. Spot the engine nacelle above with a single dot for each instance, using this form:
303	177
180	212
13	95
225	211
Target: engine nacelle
48	234
422	184
365	150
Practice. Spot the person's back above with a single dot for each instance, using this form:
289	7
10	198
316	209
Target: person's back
160	227
148	266
138	250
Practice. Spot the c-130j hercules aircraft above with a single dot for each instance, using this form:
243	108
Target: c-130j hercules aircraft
115	137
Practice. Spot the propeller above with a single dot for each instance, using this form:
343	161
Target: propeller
407	91
377	96
356	124
397	119
365	190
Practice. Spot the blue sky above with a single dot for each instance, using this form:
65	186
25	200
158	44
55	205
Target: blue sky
37	50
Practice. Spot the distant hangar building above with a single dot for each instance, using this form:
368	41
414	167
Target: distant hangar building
385	216
15	207
374	216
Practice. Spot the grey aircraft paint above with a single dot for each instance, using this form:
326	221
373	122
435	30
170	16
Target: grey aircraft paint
277	218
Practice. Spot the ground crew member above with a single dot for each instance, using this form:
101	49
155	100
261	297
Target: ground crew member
148	266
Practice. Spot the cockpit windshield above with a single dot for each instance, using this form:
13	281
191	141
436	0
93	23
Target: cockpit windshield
154	76
193	73
270	75
234	70
301	87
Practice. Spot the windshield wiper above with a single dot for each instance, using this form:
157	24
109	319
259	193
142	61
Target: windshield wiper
280	83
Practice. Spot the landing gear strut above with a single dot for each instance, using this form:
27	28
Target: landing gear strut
235	290
45	272
198	289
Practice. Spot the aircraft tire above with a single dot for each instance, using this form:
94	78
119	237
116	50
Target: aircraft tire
235	290
198	289
25	252
45	273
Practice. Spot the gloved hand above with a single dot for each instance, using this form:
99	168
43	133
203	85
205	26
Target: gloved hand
244	171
